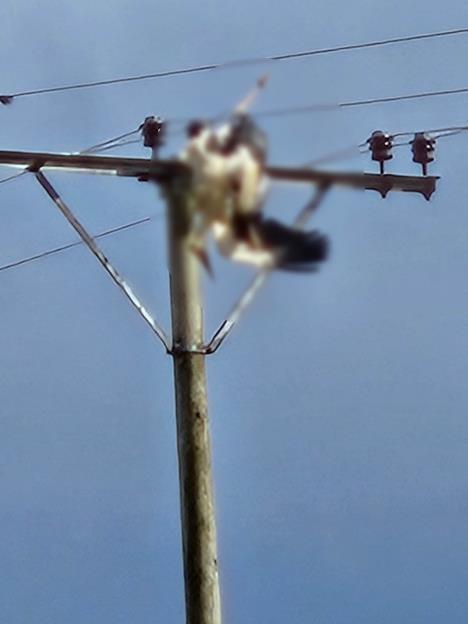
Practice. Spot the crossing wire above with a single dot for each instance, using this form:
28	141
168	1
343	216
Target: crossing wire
8	98
312	108
50	252
12	177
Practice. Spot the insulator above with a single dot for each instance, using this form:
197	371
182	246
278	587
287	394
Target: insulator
380	145
423	147
153	131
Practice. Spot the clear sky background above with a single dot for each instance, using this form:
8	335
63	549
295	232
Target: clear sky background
339	405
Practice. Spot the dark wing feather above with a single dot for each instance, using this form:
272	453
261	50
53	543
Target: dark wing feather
296	249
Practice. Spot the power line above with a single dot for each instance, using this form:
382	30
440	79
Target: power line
50	252
449	134
104	144
6	99
432	130
315	108
312	108
12	177
397	98
347	152
112	146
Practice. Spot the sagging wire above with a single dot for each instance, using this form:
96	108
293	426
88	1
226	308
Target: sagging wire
320	107
330	106
114	146
119	141
8	98
55	250
431	130
109	143
13	177
343	154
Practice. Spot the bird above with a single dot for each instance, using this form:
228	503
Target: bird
229	185
275	245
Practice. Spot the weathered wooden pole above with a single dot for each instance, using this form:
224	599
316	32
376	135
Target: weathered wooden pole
193	436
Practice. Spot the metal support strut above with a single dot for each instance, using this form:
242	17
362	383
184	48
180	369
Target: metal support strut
102	258
261	277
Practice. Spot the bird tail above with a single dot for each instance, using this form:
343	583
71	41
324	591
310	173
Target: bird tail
294	249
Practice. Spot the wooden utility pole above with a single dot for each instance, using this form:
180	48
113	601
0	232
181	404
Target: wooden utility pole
202	600
202	597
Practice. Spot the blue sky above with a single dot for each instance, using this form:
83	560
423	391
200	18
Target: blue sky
338	405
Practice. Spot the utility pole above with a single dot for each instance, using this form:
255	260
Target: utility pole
187	348
198	524
202	598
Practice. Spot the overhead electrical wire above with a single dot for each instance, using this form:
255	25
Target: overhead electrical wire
312	108
8	98
105	144
399	98
12	177
112	146
102	146
50	252
328	106
117	141
432	130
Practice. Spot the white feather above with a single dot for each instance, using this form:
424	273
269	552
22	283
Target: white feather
224	185
240	251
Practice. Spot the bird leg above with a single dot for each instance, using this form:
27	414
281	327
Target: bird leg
247	101
204	258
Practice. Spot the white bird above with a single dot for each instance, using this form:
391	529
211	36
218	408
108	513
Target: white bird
229	186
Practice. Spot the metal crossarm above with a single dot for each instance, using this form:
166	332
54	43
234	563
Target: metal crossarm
88	163
163	170
383	184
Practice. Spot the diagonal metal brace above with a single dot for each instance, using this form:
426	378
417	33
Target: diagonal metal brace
261	277
89	241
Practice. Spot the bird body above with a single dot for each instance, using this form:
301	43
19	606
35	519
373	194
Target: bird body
238	250
277	246
229	186
224	180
